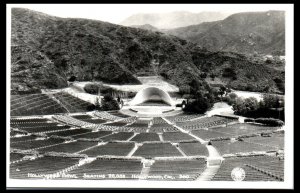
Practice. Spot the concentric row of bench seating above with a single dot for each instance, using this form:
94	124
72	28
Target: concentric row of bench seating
13	133
233	147
89	119
244	129
71	121
22	138
45	128
69	132
193	148
118	114
157	150
71	147
117	149
204	122
176	136
142	137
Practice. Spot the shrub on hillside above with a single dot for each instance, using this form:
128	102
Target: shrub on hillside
269	121
31	91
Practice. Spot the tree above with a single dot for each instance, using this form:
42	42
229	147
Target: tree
97	102
202	97
72	78
271	101
245	106
109	103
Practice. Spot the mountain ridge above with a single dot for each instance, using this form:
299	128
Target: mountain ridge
48	50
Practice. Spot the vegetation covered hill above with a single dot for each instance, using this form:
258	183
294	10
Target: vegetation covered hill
47	51
251	32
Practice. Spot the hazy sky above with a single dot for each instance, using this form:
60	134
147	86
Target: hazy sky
117	13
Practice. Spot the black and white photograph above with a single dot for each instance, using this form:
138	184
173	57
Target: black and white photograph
150	95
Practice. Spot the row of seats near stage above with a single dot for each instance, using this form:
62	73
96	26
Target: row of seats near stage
34	104
73	121
46	128
266	168
27	120
89	119
72	103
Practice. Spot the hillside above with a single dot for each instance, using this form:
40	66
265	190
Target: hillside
47	51
252	32
173	19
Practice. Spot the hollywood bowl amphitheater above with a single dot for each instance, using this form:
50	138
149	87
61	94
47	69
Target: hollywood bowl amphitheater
53	136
